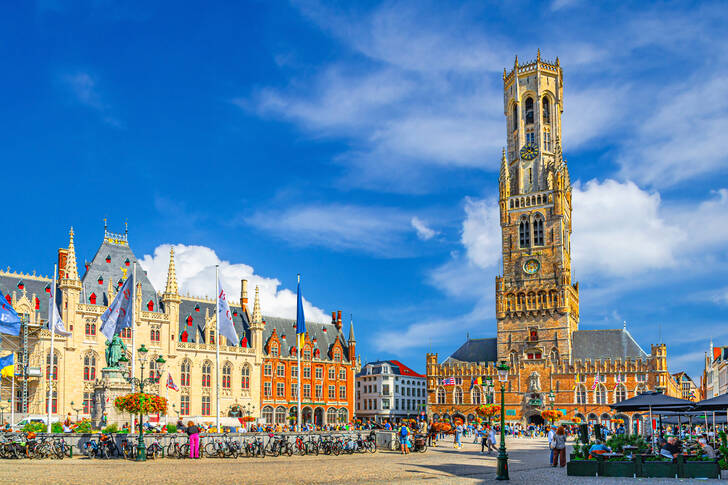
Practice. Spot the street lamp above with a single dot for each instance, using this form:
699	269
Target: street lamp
552	397
141	382
75	409
502	455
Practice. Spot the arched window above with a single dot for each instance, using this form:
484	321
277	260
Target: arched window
580	392
458	395
511	302
89	367
514	360
184	377
154	368
206	372
280	415
55	365
331	416
640	389
538	230
546	110
245	373
440	395
54	402
620	393
227	371
524	233
90	329
343	415
476	395
529	111
600	394
515	117
268	414
554	356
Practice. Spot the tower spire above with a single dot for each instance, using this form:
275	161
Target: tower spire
171	288
71	266
257	317
352	339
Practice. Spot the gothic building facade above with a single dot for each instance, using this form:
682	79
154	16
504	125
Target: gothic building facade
536	301
180	328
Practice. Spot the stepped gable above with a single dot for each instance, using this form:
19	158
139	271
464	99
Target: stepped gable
476	350
192	313
605	344
113	259
40	286
325	335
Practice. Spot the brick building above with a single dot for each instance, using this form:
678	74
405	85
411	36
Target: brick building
328	370
536	301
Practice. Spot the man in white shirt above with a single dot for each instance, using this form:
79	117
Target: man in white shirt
550	437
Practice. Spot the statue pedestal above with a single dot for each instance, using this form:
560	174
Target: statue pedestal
111	385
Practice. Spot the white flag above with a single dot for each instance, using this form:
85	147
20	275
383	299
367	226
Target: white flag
56	324
119	314
224	318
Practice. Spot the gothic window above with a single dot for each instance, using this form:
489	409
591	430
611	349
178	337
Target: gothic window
554	356
54	402
245	374
55	366
533	335
600	395
510	302
547	141
458	395
529	111
515	117
206	373
542	299
620	393
185	373
511	204
154	368
580	394
476	396
184	405
546	110
89	367
514	360
205	405
538	239
530	137
524	233
227	371
440	395
521	301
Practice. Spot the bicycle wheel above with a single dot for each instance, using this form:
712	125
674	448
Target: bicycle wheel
314	448
372	446
210	450
184	450
336	448
423	448
172	450
104	451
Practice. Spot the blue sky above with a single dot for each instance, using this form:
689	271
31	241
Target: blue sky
358	144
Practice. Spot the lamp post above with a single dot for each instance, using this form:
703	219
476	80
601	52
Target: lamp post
75	409
141	382
502	455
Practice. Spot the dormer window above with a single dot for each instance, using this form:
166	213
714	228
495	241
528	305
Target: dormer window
337	356
92	298
119	283
150	306
48	289
189	320
37	303
293	351
21	285
197	308
101	280
108	259
235	313
533	335
307	354
127	262
317	353
274	350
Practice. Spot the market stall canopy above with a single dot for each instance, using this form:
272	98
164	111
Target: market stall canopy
718	403
655	401
694	418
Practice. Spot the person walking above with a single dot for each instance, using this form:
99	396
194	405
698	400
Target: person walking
491	440
559	444
483	434
403	436
194	433
459	436
550	438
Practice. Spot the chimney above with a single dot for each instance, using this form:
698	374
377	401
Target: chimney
338	320
333	318
244	294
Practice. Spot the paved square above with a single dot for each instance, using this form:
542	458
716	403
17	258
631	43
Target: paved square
440	465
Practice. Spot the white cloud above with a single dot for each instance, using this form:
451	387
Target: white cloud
378	231
423	231
482	232
195	267
83	87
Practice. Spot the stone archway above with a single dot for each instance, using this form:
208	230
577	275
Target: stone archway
535	419
318	417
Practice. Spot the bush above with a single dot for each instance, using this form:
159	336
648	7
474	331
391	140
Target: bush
56	428
618	442
112	428
83	427
35	428
171	428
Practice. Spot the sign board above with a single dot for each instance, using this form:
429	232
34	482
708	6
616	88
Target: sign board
563	411
510	412
34	372
535	402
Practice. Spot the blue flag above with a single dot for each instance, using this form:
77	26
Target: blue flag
300	319
119	314
9	319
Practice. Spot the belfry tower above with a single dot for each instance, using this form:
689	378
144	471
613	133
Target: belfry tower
537	306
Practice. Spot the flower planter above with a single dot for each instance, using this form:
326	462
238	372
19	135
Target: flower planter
700	469
659	469
618	469
582	468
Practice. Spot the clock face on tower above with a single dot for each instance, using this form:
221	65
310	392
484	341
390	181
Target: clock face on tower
529	151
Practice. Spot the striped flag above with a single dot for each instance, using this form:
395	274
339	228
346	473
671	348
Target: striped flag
596	381
449	381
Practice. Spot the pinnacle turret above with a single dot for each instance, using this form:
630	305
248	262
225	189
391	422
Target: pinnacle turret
352	339
171	288
257	317
71	266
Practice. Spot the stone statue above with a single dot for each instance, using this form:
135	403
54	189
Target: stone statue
534	382
114	351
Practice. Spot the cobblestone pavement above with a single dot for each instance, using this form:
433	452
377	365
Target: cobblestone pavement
440	465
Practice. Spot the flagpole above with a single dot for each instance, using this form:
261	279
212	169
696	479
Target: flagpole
133	338
298	356
217	347
12	395
51	324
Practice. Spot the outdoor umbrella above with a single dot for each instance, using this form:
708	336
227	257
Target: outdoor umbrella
653	401
714	404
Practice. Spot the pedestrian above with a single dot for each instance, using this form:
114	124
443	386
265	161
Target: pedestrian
491	440
483	439
559	444
403	437
550	438
458	436
433	434
194	433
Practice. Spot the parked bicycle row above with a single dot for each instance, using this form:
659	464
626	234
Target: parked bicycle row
20	445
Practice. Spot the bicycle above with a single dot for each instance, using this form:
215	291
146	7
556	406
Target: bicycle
178	450
128	449
155	450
